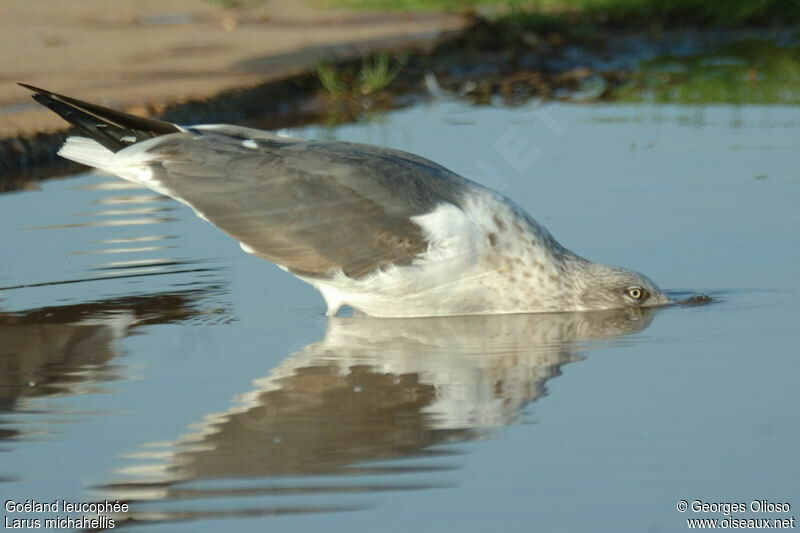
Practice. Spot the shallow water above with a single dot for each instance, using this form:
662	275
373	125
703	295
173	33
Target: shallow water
145	358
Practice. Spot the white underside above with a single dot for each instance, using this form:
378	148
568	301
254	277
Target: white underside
464	271
445	280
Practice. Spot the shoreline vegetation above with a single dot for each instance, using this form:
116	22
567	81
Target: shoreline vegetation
626	13
687	52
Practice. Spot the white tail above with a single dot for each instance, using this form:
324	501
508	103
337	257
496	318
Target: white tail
87	152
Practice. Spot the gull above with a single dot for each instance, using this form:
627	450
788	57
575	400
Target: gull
384	232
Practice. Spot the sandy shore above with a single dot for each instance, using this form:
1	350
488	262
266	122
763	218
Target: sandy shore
149	52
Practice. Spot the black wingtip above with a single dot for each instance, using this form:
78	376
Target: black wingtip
50	94
31	87
113	129
39	91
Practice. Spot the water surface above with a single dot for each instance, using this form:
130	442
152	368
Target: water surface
145	358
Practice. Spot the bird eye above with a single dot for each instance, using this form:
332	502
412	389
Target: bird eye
637	293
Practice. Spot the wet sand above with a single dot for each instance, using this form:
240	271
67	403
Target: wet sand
146	55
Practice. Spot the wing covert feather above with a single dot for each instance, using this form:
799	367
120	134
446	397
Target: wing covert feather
312	207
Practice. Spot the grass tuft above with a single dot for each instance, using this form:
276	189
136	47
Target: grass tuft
376	73
354	91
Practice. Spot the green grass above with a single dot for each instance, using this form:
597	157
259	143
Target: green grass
718	12
747	72
354	92
331	79
414	5
376	73
237	4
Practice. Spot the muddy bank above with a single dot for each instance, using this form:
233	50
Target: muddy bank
481	64
178	50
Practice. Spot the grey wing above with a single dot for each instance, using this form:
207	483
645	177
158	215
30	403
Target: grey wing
311	207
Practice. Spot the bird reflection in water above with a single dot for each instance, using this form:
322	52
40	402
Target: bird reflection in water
72	349
370	396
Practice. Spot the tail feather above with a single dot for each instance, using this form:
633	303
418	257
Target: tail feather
87	152
113	129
